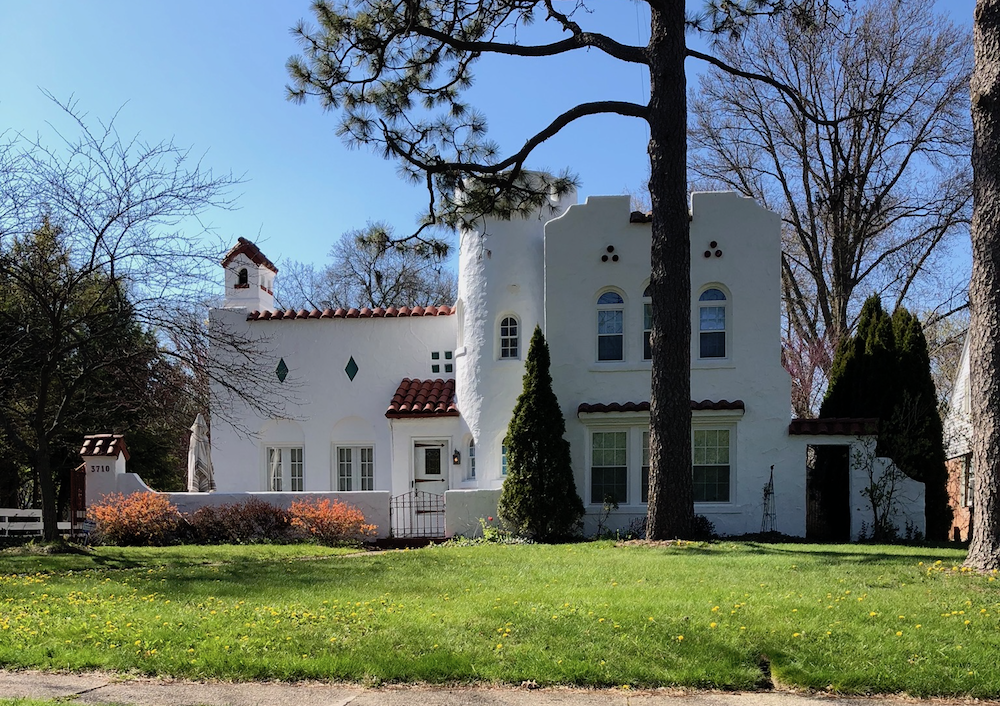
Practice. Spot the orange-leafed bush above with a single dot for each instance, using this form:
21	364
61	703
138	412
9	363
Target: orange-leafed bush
139	519
250	522
331	522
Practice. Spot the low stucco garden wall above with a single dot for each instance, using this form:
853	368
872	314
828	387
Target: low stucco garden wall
464	508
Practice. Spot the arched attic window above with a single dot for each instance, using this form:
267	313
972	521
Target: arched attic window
712	324
243	279
610	326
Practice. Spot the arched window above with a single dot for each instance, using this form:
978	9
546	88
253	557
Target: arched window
647	324
611	327
243	278
472	459
712	324
508	338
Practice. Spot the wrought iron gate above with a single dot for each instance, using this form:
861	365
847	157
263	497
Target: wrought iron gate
417	514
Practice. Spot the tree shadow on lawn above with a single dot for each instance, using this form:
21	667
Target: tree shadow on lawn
291	578
853	553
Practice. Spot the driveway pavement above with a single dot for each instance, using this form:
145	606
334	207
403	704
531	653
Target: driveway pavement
103	688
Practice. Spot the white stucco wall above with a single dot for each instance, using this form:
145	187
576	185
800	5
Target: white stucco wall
326	408
464	509
907	507
748	237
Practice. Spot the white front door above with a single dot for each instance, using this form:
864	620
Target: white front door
430	467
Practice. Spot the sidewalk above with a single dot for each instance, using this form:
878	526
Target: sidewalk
104	688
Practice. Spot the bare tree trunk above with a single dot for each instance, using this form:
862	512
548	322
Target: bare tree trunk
984	288
43	463
671	508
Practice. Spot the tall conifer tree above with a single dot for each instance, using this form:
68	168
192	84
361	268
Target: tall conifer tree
539	497
883	371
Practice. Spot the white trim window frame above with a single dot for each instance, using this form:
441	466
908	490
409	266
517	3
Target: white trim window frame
470	458
284	468
609	465
610	327
354	468
713	463
713	323
509	337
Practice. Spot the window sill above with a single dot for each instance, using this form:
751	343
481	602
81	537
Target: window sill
720	364
618	366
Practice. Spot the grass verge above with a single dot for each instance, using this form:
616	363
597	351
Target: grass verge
855	619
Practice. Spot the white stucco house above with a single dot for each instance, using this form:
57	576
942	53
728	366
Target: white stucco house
413	404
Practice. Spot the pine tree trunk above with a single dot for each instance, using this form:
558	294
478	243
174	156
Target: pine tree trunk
671	508
984	288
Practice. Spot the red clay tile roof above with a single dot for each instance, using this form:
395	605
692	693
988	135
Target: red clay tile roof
104	445
834	426
363	313
247	248
423	398
586	407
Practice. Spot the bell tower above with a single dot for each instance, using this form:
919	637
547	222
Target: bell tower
249	278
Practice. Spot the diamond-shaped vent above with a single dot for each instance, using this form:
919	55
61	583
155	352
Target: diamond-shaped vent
351	369
281	371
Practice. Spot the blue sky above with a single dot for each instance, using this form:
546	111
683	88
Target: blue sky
210	75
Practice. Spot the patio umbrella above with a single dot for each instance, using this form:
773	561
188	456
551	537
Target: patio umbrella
200	477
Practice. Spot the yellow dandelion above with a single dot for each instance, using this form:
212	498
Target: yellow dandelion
713	625
680	638
796	634
899	633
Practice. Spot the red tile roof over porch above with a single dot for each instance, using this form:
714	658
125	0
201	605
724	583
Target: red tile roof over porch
423	398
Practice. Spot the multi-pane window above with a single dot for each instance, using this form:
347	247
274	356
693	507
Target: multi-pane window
508	337
295	470
645	466
711	466
472	459
712	324
647	325
284	468
611	327
355	468
609	467
503	459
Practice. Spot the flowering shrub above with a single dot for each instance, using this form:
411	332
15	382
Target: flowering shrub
250	522
139	519
331	522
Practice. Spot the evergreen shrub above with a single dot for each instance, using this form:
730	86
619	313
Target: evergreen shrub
539	498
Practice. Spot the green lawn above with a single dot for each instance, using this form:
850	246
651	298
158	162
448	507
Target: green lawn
854	618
